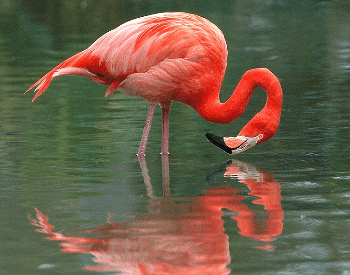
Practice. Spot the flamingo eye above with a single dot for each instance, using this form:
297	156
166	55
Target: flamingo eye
99	75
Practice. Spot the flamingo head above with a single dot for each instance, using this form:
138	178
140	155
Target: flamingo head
234	145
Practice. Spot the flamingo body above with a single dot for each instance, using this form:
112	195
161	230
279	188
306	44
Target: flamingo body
173	56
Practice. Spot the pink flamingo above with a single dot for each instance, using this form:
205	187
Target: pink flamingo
175	56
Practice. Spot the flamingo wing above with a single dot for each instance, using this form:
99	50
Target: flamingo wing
153	57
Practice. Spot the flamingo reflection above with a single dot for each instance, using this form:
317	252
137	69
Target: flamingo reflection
179	236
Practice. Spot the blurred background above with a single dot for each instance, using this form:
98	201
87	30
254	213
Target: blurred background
71	153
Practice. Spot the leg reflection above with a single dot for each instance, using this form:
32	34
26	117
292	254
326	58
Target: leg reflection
178	235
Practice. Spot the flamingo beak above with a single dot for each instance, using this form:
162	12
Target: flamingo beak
233	145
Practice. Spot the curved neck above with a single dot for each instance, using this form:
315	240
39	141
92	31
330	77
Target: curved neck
266	120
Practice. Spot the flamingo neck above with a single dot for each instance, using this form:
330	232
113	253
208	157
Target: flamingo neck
266	121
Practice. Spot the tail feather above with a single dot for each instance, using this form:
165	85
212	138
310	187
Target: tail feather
43	83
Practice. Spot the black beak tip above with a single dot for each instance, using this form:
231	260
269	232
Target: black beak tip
219	142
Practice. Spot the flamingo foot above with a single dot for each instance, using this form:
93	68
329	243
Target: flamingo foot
233	145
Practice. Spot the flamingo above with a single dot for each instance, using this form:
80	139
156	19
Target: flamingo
175	56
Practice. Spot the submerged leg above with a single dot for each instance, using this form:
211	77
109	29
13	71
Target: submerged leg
165	174
144	139
146	177
165	127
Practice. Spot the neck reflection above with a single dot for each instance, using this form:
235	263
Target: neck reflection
179	235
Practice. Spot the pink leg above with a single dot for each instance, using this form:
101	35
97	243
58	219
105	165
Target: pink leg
165	128
165	174
143	144
146	177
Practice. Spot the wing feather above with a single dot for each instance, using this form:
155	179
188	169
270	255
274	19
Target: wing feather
161	49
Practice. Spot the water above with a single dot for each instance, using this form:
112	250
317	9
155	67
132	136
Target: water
68	159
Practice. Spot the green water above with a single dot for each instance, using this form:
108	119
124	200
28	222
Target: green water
279	208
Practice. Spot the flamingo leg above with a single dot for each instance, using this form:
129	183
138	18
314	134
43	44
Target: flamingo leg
165	128
146	177
165	175
144	139
165	132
